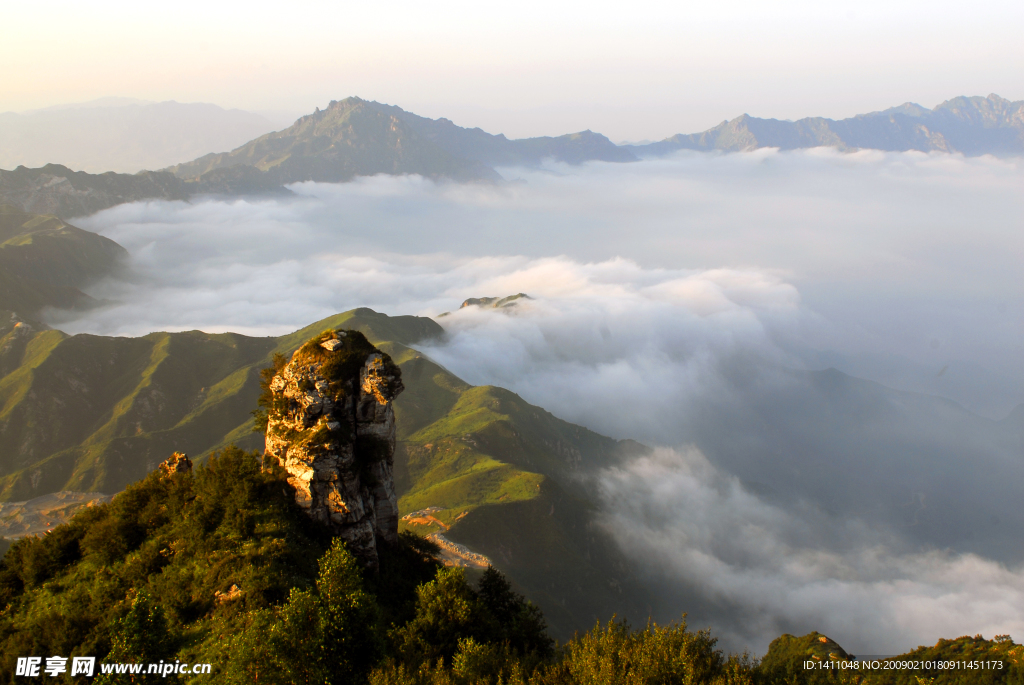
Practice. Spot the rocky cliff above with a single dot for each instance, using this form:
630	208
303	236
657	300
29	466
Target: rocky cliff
331	425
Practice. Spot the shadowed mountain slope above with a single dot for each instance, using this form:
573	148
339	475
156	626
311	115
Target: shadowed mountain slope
510	481
924	467
350	138
44	261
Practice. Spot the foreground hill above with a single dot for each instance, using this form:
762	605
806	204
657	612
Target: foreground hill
214	574
969	125
93	413
218	567
44	261
90	413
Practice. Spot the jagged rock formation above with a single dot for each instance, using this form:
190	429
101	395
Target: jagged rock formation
176	463
331	424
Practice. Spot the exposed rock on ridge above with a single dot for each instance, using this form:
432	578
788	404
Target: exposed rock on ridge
176	463
331	425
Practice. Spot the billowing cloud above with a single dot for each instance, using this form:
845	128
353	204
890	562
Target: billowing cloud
759	570
911	259
693	302
640	345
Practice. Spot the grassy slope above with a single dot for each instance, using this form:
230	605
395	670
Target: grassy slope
93	413
508	480
96	413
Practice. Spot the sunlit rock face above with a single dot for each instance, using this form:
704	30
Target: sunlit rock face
331	425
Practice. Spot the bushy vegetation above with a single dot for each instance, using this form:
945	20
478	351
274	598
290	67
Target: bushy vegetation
157	556
220	566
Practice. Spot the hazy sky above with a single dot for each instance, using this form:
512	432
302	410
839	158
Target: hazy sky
643	71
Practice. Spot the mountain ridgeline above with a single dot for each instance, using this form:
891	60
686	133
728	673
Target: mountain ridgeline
354	137
969	125
349	138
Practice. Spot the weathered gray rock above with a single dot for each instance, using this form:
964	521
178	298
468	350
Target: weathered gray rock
332	426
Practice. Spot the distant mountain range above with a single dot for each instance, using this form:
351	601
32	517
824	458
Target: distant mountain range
116	134
355	137
968	125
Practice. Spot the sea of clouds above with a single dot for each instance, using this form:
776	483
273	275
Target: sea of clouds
754	570
666	295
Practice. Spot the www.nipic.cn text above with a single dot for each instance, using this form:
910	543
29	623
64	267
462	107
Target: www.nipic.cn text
34	666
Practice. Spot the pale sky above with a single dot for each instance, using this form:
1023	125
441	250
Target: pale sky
646	69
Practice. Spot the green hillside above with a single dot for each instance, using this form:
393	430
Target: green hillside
508	480
218	566
91	413
95	413
44	261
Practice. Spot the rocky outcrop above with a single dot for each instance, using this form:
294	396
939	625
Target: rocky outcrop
331	425
176	463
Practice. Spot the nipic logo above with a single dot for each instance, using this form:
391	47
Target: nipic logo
55	665
33	667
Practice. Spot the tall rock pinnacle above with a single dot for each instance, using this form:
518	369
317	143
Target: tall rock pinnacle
331	425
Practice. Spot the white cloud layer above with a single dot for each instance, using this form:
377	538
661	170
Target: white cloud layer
676	301
766	570
911	259
616	347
